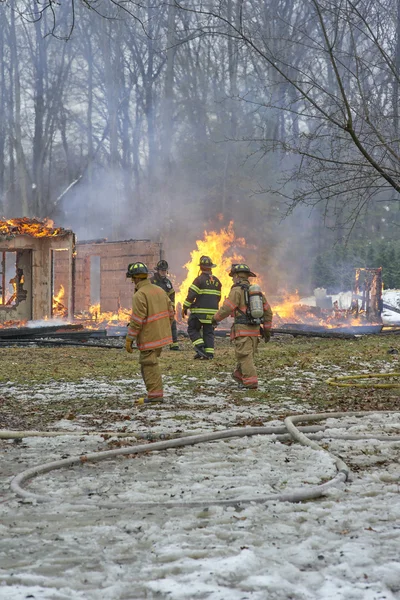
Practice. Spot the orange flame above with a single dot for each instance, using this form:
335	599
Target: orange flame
59	310
32	227
220	247
291	310
94	318
287	309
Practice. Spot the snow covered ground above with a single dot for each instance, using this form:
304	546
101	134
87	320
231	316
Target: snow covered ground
342	547
391	297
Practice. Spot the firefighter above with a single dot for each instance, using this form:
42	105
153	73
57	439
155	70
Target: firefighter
160	278
245	329
203	298
150	327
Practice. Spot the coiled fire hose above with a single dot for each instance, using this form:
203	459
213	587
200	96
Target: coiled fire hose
339	381
290	428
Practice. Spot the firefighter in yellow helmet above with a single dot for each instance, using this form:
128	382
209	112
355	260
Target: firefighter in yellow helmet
150	328
246	327
202	300
160	278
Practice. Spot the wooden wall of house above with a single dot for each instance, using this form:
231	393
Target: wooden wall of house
115	290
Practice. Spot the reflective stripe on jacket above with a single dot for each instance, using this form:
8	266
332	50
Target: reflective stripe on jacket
203	297
231	306
152	315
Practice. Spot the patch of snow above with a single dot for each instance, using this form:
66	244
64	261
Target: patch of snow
341	547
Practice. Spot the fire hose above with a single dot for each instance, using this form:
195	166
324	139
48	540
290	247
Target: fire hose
290	430
338	381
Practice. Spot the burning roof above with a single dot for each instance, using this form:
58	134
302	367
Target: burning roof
33	227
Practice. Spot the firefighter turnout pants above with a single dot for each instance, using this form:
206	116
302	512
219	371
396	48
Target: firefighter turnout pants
204	340
174	331
151	372
245	350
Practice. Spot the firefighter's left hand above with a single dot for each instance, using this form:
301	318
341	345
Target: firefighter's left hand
214	322
128	345
266	335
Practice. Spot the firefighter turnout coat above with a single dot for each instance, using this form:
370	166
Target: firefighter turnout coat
203	297
152	315
165	284
235	305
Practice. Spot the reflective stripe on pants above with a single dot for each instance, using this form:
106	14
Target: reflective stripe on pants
195	331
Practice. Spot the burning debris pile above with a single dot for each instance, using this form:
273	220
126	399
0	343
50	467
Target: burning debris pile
115	323
356	312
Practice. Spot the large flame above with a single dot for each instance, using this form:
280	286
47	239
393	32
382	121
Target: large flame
286	310
32	227
220	246
59	309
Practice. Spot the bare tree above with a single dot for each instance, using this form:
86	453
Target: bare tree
337	68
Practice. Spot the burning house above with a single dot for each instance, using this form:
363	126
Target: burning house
46	274
31	254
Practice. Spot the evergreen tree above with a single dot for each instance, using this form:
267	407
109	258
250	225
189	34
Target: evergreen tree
370	257
396	270
362	254
388	274
381	258
319	272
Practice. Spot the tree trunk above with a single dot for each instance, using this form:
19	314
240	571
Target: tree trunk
3	111
167	169
20	200
39	57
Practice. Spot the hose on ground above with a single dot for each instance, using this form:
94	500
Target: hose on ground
281	433
290	427
338	381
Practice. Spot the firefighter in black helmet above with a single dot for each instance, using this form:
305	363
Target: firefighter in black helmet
202	300
160	278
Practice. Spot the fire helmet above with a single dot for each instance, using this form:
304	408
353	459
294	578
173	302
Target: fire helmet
137	269
241	268
206	263
162	265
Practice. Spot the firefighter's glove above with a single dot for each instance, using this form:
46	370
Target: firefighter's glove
129	345
214	322
266	335
184	312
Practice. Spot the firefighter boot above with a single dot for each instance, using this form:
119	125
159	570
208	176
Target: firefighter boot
237	376
148	401
174	346
200	353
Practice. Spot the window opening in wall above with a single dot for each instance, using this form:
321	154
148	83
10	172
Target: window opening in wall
95	284
11	279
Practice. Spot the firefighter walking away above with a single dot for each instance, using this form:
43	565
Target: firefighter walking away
160	278
150	328
252	317
202	300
